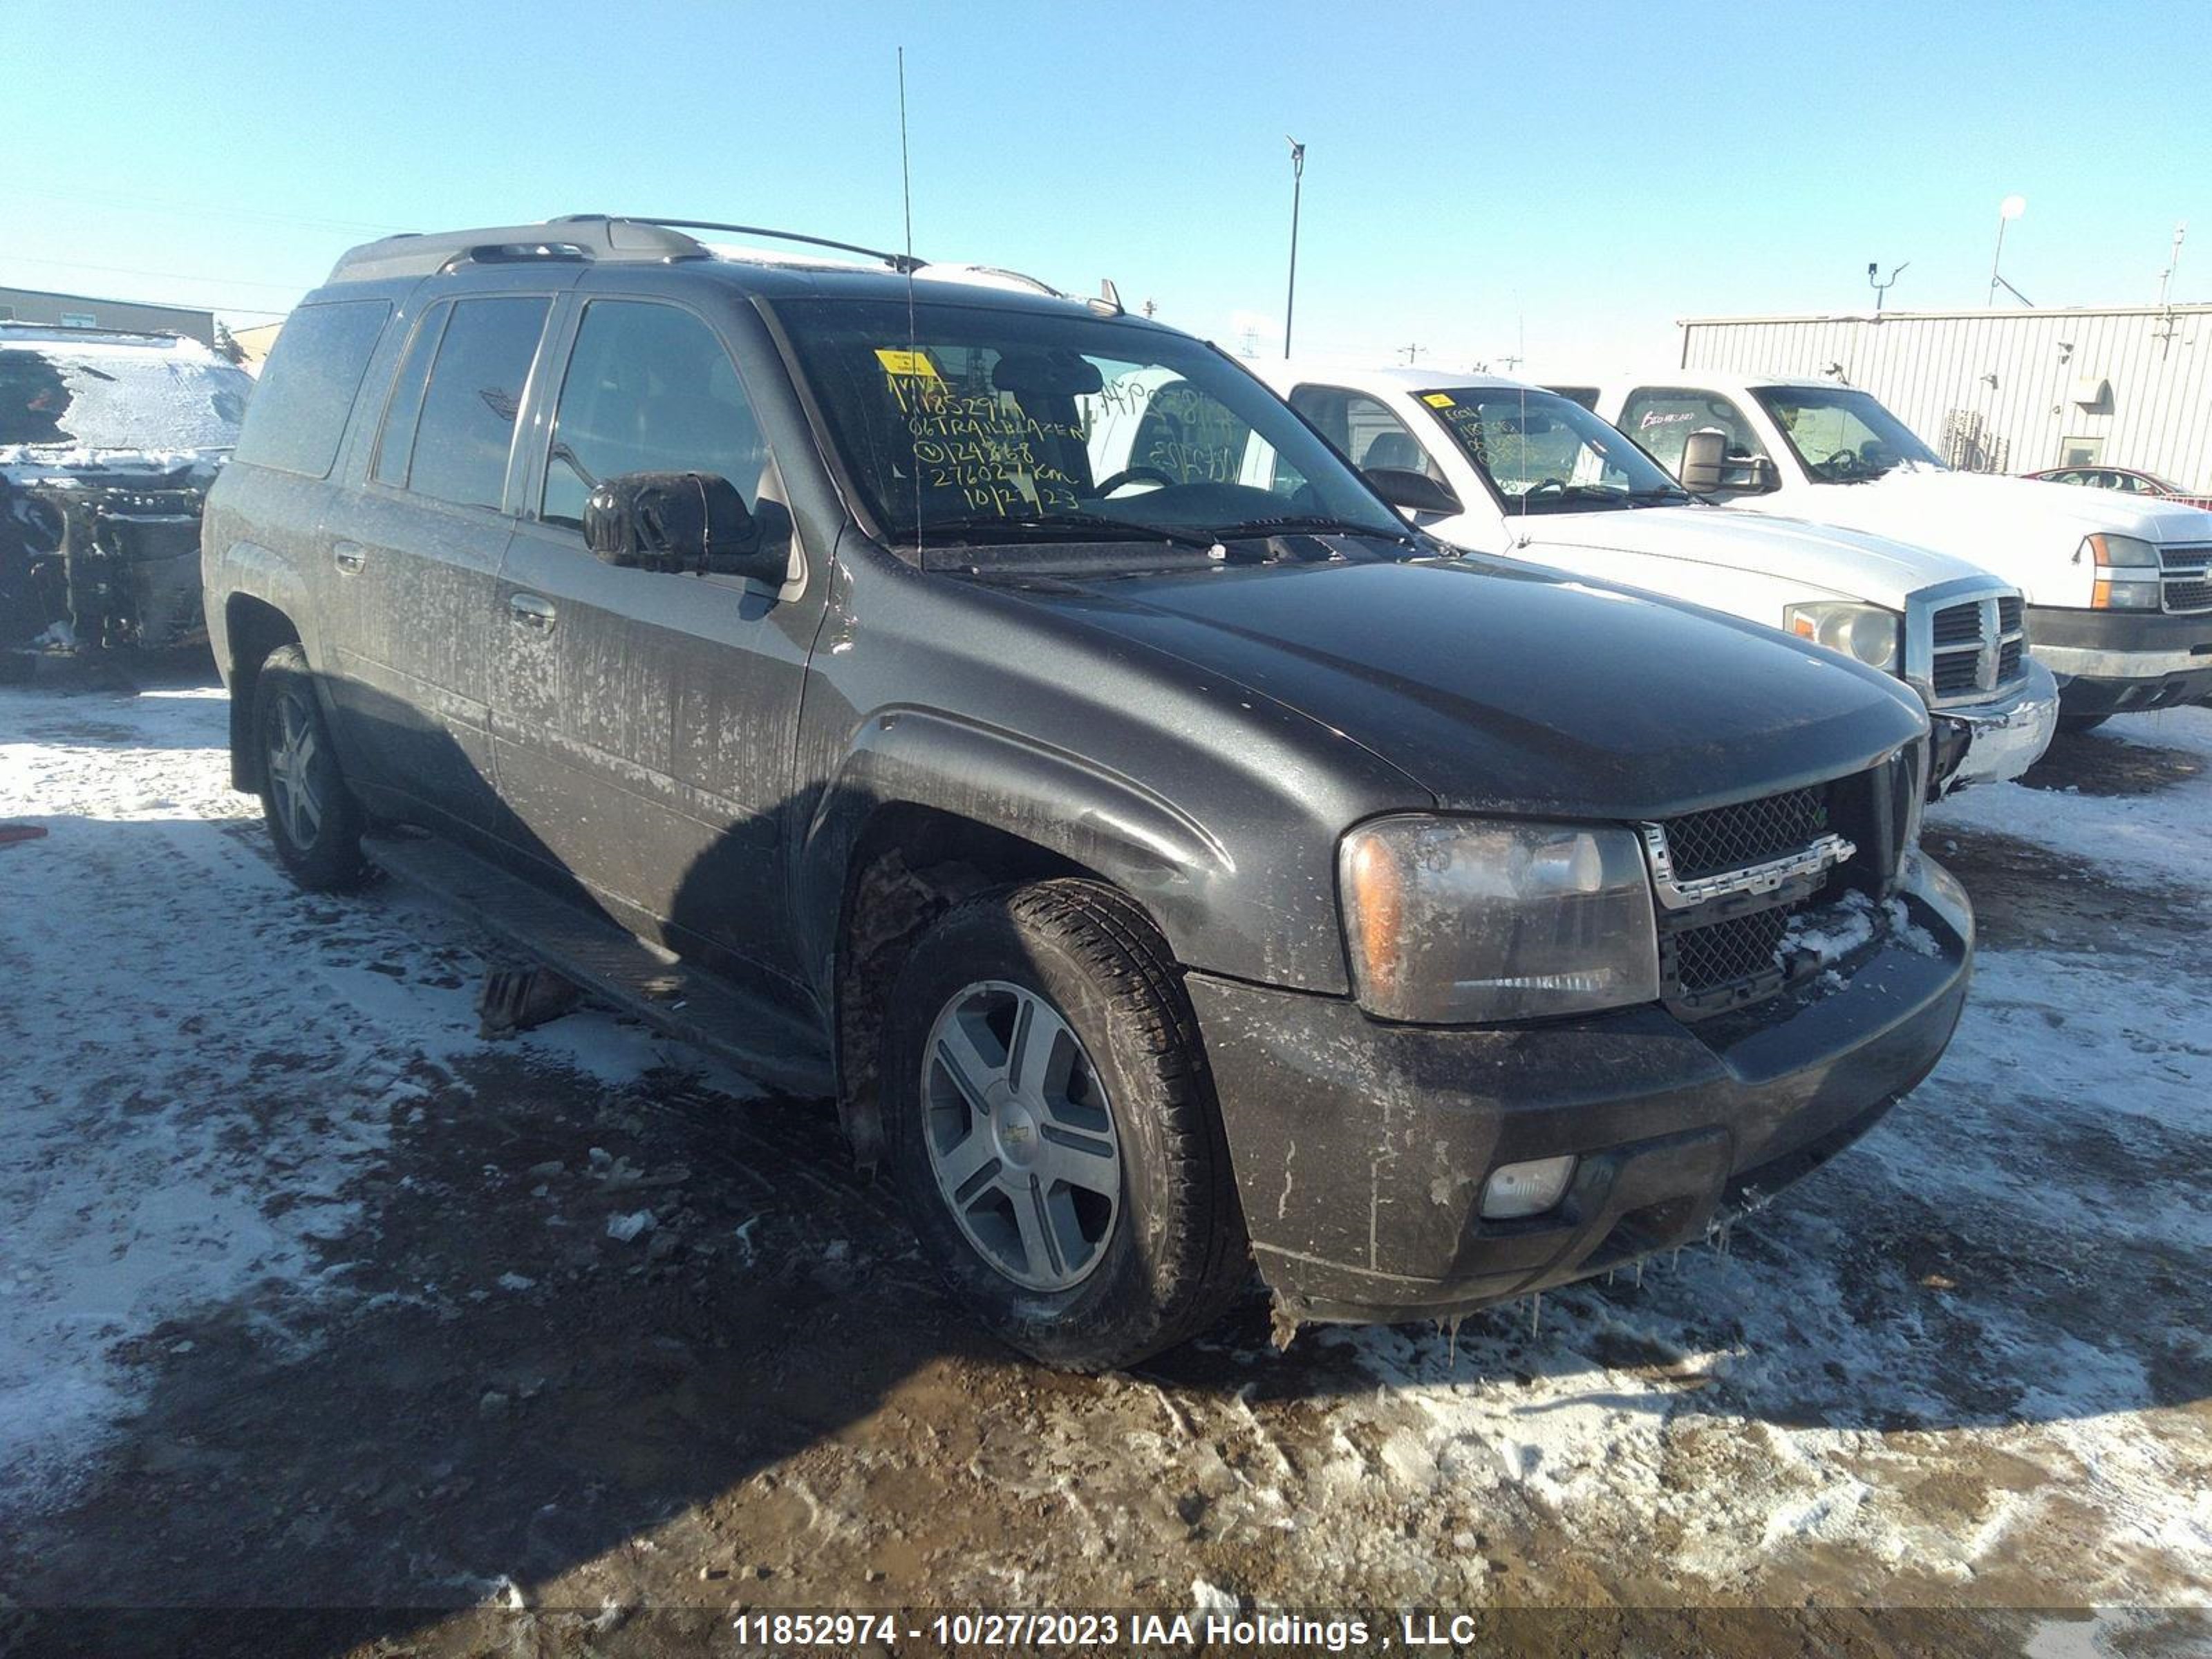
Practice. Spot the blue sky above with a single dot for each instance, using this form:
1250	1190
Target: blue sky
1477	176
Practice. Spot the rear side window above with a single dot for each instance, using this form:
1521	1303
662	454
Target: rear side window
298	412
649	389
395	446
467	426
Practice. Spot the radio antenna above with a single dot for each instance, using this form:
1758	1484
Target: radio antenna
906	196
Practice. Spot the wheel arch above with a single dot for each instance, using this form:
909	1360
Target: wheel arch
909	863
252	628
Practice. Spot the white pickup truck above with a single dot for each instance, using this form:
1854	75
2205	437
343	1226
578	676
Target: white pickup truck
1498	466
2118	587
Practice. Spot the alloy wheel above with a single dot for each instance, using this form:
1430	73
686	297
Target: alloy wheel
1021	1135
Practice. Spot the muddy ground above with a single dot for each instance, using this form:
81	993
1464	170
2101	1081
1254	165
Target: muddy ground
1963	1369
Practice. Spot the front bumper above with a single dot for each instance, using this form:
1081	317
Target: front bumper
1361	1148
1999	740
2112	662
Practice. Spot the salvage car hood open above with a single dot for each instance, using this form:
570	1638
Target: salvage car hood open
1500	688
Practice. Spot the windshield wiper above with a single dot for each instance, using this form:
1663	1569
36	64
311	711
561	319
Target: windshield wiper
1058	527
1304	524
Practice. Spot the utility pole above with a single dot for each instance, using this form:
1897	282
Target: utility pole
1297	189
2173	259
1411	352
1882	287
2008	211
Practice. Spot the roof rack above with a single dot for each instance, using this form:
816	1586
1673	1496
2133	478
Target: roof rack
579	237
898	262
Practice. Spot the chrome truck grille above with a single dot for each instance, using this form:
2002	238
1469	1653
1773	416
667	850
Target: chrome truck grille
1728	879
2187	578
1964	645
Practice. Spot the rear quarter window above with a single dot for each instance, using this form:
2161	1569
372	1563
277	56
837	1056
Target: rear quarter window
298	412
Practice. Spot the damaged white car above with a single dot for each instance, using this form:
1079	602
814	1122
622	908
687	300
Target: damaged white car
108	442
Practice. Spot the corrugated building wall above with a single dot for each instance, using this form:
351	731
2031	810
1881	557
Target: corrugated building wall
2006	390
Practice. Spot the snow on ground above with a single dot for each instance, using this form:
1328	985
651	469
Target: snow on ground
198	1055
2163	835
1966	1364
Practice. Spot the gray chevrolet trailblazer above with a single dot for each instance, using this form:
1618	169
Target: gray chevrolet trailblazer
1164	869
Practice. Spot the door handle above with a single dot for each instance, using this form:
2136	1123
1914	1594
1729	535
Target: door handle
532	612
349	557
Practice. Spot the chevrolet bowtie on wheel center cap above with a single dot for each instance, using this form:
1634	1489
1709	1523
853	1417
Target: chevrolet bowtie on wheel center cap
1020	1135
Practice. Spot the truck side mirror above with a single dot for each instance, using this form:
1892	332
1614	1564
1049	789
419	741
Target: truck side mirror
679	521
1411	491
1704	455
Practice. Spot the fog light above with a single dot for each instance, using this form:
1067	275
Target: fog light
1530	1188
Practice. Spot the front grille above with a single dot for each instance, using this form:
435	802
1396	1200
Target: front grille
1724	954
1959	624
1967	649
2188	572
1732	838
1957	671
1718	952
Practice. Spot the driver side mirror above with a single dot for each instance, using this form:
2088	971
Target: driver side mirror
693	522
1705	466
1411	491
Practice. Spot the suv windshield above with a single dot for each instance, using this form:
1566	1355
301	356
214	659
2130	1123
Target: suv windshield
154	397
1546	453
974	423
1841	435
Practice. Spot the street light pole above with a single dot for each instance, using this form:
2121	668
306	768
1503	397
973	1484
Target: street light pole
2008	210
1297	188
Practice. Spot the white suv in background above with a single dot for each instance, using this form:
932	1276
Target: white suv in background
2118	587
1498	466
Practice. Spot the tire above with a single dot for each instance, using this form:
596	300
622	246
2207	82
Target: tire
2081	723
312	816
1089	1286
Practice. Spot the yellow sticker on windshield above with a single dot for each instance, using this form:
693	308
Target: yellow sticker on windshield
914	363
1436	399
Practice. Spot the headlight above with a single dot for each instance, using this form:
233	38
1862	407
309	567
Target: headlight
1470	920
1867	632
2127	574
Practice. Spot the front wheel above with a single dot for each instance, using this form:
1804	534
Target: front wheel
1052	1127
312	816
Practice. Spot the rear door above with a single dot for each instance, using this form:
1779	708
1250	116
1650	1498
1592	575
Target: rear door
646	722
419	551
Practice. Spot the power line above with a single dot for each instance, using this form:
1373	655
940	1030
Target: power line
175	277
197	210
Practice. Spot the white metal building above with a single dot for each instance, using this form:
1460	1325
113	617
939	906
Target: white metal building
2006	390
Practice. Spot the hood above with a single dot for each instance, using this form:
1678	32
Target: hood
1857	563
1501	688
1961	511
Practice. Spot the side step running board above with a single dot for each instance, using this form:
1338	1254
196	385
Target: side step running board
770	1046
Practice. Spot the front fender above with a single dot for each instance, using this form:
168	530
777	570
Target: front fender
1215	909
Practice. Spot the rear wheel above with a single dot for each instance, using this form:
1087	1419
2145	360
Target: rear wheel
1051	1126
313	816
